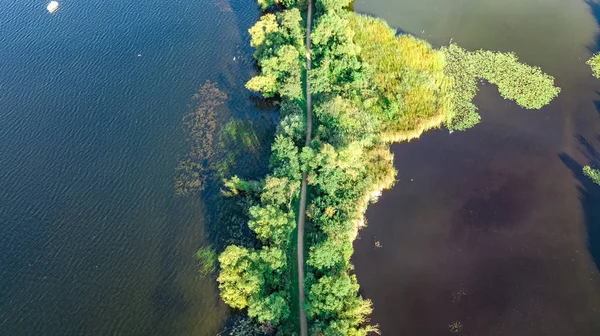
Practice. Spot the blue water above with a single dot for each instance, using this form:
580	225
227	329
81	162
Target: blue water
93	240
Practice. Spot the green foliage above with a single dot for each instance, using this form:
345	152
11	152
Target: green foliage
341	122
279	191
247	277
237	282
264	4
279	44
335	307
208	261
409	90
330	253
593	174
271	224
332	5
594	63
293	122
336	65
329	294
284	159
274	308
236	186
528	86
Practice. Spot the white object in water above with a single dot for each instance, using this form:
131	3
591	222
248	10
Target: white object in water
52	6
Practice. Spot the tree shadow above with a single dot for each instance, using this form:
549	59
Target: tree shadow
595	10
589	194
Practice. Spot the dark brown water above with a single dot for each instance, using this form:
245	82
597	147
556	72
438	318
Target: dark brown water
494	229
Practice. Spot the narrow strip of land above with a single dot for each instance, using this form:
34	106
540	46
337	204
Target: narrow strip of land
302	210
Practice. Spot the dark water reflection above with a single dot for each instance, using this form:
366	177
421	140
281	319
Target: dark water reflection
488	229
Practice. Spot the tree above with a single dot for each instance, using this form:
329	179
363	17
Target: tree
238	279
330	253
337	68
593	174
594	63
274	308
271	224
341	122
284	159
278	40
330	294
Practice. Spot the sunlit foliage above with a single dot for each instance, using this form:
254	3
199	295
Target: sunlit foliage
594	63
278	39
593	174
409	91
252	279
334	307
336	64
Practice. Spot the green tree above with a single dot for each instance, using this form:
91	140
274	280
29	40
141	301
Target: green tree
341	122
284	159
337	68
278	40
594	63
330	253
274	308
238	279
593	174
271	224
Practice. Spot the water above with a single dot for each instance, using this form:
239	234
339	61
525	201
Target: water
493	231
93	240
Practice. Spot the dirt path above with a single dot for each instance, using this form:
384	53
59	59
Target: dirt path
302	212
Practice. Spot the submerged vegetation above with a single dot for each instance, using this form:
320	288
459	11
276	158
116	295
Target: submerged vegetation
370	88
200	125
594	63
208	261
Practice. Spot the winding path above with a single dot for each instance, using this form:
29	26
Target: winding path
302	211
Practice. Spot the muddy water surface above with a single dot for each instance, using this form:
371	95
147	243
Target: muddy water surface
493	231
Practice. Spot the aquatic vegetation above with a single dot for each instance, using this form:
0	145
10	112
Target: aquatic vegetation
594	63
528	86
455	327
237	138
200	125
208	261
245	326
593	174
